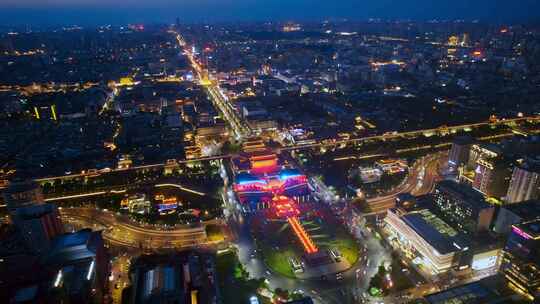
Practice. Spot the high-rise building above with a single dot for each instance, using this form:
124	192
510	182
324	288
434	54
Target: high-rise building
465	40
462	206
525	182
459	153
20	194
75	269
453	40
482	151
511	214
36	222
521	259
37	225
492	176
79	264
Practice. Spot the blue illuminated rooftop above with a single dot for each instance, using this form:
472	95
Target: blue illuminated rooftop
288	173
243	178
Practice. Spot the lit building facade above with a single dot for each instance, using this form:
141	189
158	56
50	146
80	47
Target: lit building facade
263	182
36	222
260	176
487	171
525	182
459	153
492	177
521	260
45	112
463	207
424	238
136	204
81	266
480	151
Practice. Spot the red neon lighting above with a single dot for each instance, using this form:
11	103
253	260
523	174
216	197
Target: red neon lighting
264	163
302	235
274	186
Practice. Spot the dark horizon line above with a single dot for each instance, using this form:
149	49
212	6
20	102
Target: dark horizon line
306	20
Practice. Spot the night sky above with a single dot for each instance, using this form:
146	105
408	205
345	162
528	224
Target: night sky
54	12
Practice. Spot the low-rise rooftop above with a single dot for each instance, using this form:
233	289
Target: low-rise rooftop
433	229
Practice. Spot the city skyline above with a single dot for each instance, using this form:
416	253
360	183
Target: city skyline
98	12
191	152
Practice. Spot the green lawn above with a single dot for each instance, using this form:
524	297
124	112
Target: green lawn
324	237
342	241
347	246
278	260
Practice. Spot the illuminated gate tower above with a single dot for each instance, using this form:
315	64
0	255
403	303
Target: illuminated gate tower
262	182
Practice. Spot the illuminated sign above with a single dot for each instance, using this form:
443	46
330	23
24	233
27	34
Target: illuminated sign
484	262
167	205
521	233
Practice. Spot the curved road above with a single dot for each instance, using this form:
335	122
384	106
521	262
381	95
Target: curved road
119	230
420	181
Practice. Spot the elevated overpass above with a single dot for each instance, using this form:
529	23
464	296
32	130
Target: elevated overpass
442	131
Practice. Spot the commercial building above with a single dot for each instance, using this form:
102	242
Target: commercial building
20	194
482	151
187	277
66	267
511	214
136	204
74	270
425	238
463	207
370	175
37	225
464	210
80	264
459	153
36	222
487	171
392	166
525	182
492	176
521	260
490	290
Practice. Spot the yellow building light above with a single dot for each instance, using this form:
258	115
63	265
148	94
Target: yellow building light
53	111
453	40
194	296
36	112
126	81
